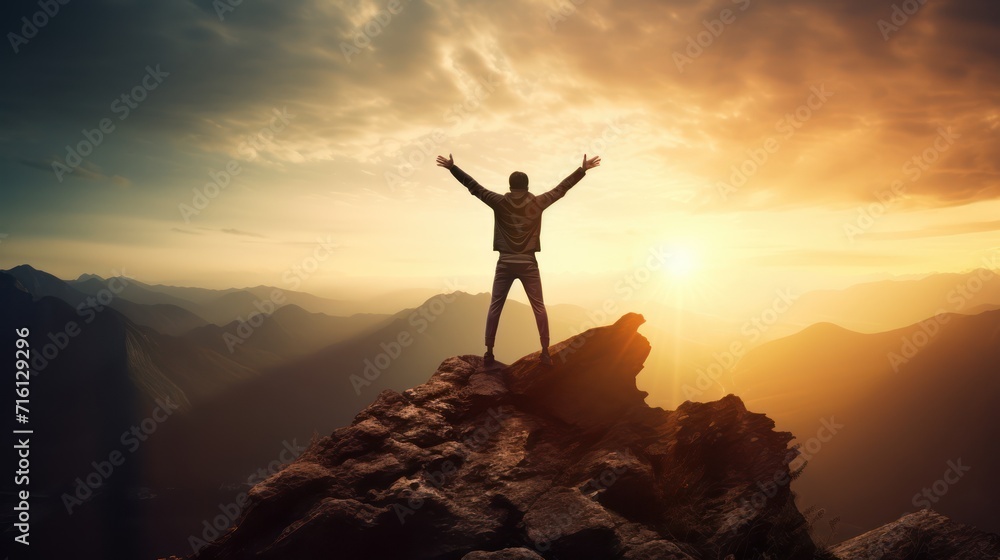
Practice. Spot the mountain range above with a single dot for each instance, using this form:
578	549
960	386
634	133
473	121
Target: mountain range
249	379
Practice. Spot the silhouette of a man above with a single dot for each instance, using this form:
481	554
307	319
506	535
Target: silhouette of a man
517	224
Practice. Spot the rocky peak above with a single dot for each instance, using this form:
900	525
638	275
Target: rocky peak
532	461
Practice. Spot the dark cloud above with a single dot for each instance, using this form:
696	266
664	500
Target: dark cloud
86	171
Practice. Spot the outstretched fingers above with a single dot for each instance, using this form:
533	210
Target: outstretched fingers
441	161
591	163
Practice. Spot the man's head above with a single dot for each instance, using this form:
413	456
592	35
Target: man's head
518	181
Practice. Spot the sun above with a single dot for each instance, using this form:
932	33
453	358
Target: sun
681	263
684	275
680	276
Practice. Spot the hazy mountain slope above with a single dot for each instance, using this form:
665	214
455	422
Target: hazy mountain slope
206	297
290	332
82	400
91	292
913	406
135	291
166	318
95	377
879	306
982	308
317	304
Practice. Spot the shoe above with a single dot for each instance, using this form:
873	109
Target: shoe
546	358
488	359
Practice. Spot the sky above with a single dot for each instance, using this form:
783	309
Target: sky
746	145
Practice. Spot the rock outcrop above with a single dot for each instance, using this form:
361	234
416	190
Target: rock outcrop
924	534
533	461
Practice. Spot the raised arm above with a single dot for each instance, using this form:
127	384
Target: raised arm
482	193
546	199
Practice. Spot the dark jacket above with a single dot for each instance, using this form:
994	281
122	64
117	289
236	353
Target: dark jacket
517	215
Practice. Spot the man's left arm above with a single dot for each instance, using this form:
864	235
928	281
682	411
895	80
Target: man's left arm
546	199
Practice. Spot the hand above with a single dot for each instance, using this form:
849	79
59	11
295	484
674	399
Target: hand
446	163
591	163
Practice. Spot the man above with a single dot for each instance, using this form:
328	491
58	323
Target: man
517	223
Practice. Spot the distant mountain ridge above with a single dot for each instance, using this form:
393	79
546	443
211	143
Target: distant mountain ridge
889	304
911	399
92	293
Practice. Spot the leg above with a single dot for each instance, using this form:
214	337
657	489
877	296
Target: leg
532	281
503	278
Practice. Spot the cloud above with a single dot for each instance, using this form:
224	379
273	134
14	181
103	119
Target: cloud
86	170
233	231
937	231
826	258
890	97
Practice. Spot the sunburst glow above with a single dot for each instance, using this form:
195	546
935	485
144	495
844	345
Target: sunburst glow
682	263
